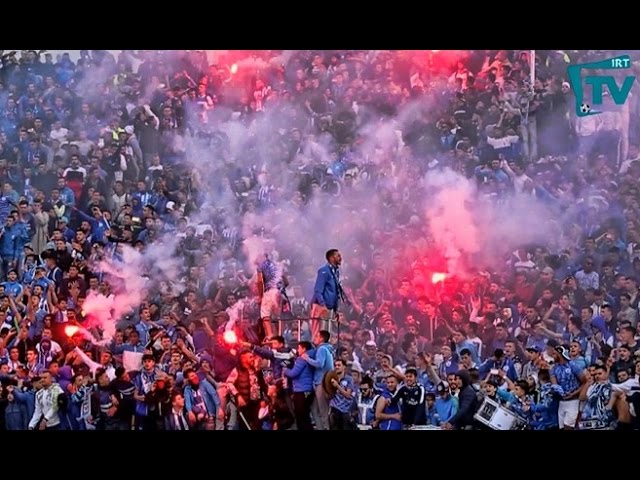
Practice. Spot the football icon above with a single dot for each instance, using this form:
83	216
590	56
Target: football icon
585	108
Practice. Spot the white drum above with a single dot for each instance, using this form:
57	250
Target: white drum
496	417
425	427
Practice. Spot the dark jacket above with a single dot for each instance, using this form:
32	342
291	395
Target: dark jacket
279	358
170	421
468	403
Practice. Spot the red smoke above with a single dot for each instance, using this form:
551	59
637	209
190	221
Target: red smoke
438	277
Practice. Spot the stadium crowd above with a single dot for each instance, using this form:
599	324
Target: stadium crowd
107	152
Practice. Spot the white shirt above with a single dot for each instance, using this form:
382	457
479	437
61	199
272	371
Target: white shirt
55	348
46	407
177	416
502	142
627	385
59	134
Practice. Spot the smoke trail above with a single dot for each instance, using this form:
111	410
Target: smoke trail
451	219
132	277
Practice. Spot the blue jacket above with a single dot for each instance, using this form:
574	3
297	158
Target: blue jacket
325	291
98	227
28	400
67	196
322	360
9	244
15	416
302	375
209	394
22	237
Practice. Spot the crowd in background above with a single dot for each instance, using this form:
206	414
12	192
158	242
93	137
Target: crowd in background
97	155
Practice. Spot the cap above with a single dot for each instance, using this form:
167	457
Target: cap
442	387
370	343
63	220
564	352
548	270
171	205
129	129
533	349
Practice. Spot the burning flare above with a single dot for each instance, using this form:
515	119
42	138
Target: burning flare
71	330
230	337
438	277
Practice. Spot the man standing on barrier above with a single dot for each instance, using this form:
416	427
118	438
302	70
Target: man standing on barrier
327	293
271	286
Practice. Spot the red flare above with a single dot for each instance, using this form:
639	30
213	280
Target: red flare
230	337
71	330
438	277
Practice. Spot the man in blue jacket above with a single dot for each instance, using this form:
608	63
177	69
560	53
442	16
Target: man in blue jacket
99	224
327	292
9	244
301	376
201	401
322	360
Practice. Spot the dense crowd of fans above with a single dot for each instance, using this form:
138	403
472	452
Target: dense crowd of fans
102	154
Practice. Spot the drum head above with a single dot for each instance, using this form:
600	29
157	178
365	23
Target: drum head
328	388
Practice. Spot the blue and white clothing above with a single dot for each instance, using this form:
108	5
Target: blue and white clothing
389	409
270	275
546	410
517	405
580	337
596	407
567	375
339	401
447	366
425	380
12	288
366	409
469	346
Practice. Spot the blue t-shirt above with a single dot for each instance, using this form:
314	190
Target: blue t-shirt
567	376
339	401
